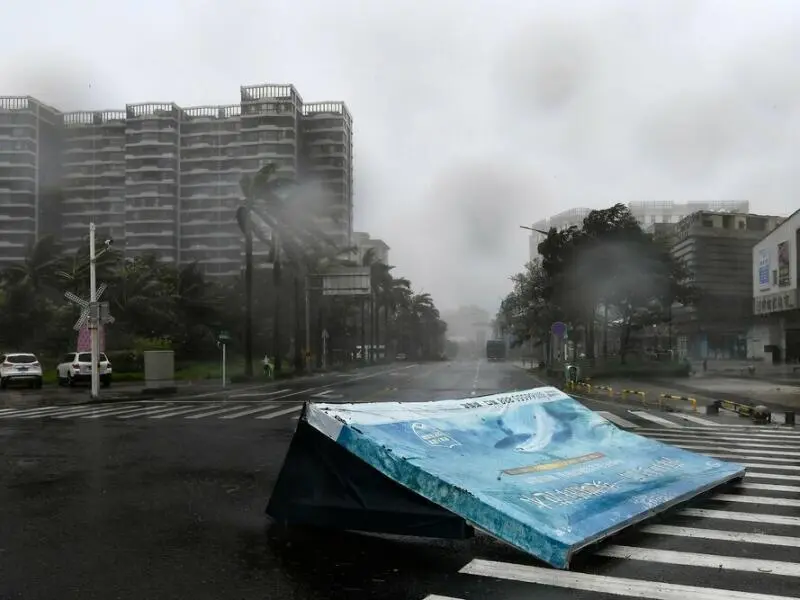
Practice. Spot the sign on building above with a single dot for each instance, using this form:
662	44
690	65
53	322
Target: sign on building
763	269
784	261
777	302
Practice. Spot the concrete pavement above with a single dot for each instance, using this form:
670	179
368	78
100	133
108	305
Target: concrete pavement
165	499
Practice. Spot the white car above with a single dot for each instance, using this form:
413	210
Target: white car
20	367
77	366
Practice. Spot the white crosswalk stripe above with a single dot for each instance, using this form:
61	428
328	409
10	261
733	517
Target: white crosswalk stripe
742	543
675	428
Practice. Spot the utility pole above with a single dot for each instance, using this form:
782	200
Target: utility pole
248	291
94	314
308	322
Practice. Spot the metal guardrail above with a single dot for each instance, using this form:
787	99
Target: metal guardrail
688	399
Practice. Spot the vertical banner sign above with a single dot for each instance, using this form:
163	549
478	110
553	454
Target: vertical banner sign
84	341
784	271
763	269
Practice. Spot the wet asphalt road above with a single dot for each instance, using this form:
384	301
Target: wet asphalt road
166	500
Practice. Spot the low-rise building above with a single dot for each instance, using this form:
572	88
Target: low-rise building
716	247
775	333
363	243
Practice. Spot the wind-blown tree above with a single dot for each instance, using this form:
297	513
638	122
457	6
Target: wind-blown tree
289	218
608	268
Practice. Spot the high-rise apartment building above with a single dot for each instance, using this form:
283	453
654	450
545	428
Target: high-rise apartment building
30	174
164	179
646	212
93	187
328	150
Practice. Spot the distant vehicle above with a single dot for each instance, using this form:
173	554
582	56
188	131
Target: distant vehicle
495	350
20	367
400	356
77	366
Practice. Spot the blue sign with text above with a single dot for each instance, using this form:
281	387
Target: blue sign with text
534	468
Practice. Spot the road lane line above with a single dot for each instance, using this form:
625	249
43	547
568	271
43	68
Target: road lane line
604	584
279	413
146	411
90	411
778	476
734	441
218	411
34	411
258	394
766	453
249	412
766	500
729	515
722	535
770	487
709	561
178	411
61	411
699	420
616	420
120	410
655	419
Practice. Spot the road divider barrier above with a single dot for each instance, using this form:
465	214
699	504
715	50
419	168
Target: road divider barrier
640	393
518	465
605	388
688	399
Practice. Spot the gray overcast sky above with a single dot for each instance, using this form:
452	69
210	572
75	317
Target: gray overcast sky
471	117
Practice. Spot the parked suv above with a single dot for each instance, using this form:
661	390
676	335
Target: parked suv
20	367
77	366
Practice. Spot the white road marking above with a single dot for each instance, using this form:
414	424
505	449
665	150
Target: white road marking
95	410
252	411
655	419
125	410
178	411
696	419
279	413
695	559
770	487
62	410
616	586
218	411
767	501
145	411
33	411
258	394
736	441
729	515
778	476
616	420
767	453
725	536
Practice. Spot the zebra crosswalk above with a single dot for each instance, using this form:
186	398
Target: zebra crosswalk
156	411
740	544
271	409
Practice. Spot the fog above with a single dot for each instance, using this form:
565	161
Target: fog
471	118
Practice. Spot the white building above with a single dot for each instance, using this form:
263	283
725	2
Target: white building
776	334
363	244
647	212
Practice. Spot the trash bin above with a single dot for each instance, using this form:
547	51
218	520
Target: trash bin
159	371
571	374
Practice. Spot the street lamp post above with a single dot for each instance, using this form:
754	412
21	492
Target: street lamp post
94	333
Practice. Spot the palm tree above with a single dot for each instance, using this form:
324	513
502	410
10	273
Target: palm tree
39	267
285	216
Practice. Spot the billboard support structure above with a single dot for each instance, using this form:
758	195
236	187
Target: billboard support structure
324	485
350	281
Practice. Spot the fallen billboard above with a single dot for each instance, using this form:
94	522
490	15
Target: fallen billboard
534	468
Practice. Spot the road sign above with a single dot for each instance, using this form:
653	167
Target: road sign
325	334
223	336
88	312
558	329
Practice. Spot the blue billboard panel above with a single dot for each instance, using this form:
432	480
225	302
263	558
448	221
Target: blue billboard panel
534	468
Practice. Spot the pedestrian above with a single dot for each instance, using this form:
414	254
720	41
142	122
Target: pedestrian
269	367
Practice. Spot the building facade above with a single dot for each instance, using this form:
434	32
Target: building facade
30	174
163	179
363	243
648	213
717	248
775	334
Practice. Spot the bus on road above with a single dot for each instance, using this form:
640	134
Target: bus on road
495	350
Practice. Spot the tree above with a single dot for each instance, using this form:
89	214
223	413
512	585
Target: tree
608	268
